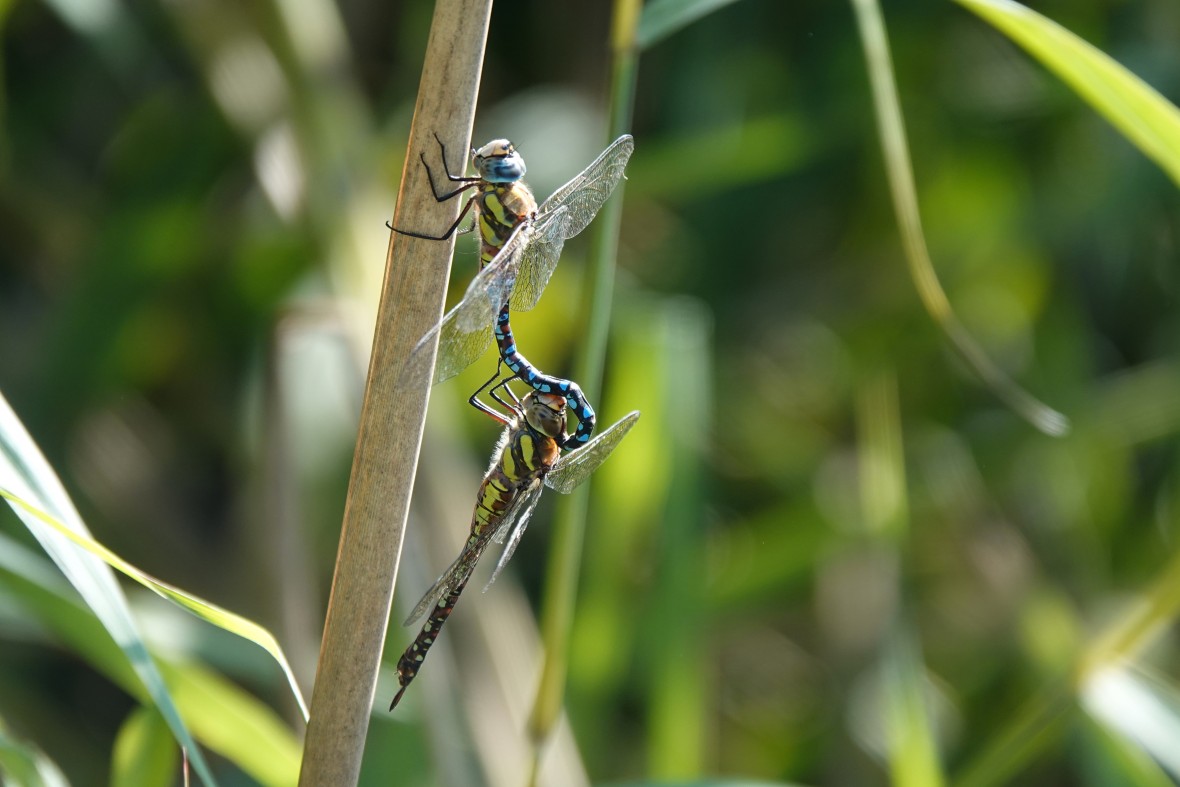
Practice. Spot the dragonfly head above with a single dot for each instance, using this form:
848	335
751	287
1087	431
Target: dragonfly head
498	162
545	412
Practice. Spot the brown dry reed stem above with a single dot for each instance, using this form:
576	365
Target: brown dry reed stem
393	411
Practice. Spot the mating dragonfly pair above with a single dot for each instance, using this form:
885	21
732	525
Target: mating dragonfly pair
520	243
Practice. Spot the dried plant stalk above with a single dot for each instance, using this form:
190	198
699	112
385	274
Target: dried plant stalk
394	409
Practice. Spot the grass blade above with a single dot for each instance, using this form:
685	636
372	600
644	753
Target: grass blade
207	611
26	474
913	751
24	765
1141	710
220	714
1138	111
569	526
905	202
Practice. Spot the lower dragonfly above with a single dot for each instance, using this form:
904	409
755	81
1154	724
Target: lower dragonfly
520	243
527	459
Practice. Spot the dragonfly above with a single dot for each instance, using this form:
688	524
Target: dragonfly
520	242
527	459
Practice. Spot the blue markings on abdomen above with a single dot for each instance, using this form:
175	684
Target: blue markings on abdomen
539	381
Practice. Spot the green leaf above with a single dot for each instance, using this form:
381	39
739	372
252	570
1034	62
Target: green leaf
1132	106
235	724
222	715
207	611
145	752
24	765
25	474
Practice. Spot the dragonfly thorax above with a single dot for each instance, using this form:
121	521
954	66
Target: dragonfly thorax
545	412
498	162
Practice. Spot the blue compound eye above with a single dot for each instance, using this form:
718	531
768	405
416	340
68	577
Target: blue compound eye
498	162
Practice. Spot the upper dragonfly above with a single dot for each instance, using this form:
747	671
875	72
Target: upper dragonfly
520	242
527	459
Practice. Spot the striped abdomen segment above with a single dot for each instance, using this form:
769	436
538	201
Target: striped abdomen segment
522	459
412	658
502	207
539	381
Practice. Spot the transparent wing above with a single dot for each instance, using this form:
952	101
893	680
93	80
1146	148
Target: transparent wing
586	192
456	573
539	258
576	466
581	197
513	526
466	330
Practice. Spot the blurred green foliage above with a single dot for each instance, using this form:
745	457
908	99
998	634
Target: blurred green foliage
827	555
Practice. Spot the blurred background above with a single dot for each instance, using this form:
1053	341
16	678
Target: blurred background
825	531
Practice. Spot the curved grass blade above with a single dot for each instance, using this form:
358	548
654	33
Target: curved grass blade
24	764
26	474
1138	111
905	202
207	611
220	714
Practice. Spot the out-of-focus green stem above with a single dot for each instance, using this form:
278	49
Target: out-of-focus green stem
561	580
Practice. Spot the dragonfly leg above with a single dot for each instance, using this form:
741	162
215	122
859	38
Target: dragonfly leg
463	231
539	381
442	150
475	402
446	235
467	182
516	405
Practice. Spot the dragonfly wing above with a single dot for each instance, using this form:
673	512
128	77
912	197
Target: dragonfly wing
576	466
591	187
513	526
539	258
466	330
456	573
580	198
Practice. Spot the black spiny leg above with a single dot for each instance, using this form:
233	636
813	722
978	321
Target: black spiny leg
450	230
474	401
447	169
516	406
467	184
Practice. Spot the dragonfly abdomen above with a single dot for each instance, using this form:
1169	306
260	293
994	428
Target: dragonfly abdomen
539	381
411	660
502	207
524	457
